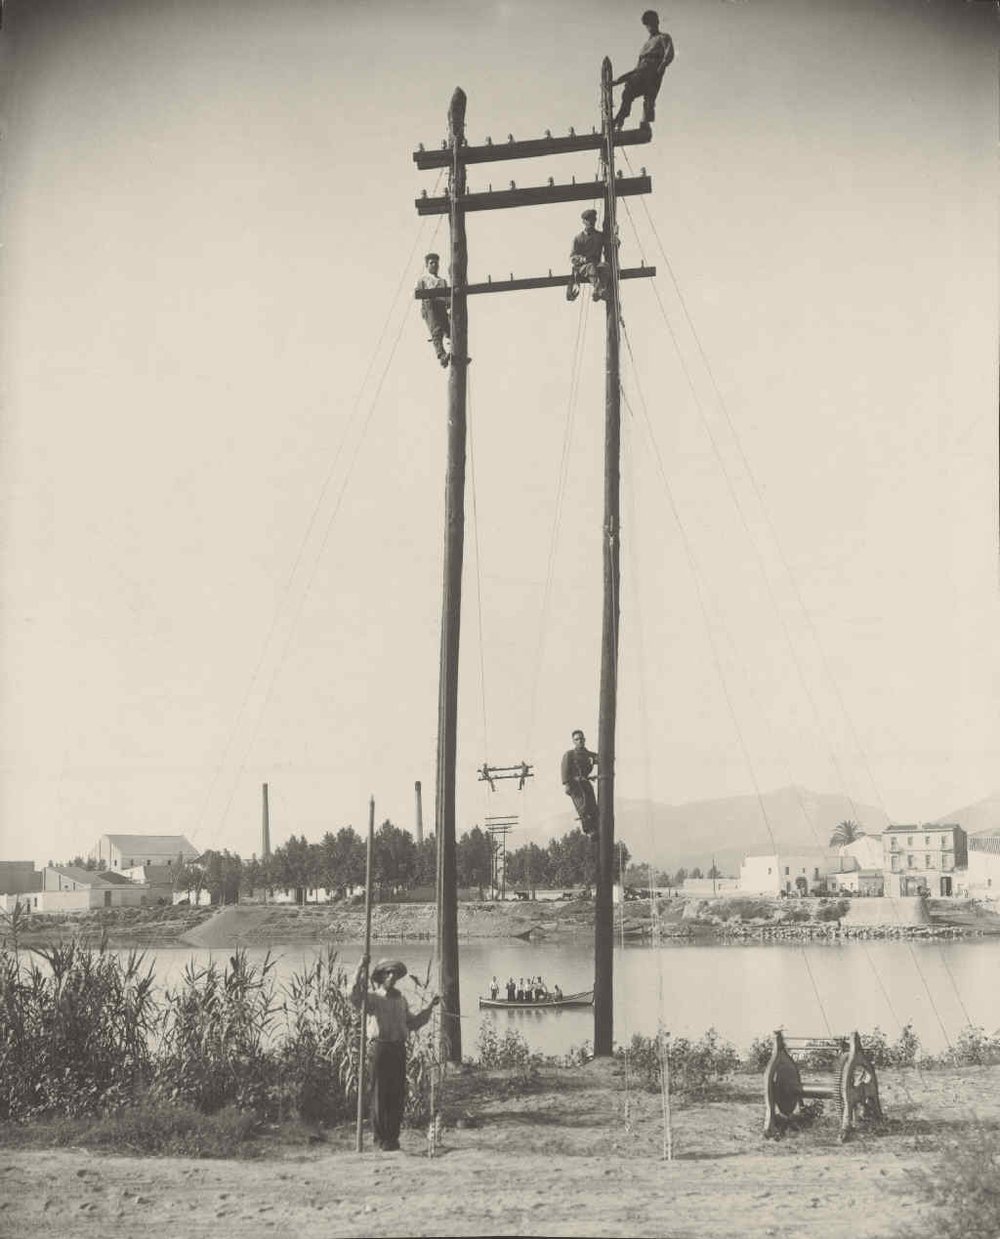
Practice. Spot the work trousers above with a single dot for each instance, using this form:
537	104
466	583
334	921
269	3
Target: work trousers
585	803
438	324
388	1091
640	82
595	273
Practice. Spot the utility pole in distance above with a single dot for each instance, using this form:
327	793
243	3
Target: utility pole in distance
456	155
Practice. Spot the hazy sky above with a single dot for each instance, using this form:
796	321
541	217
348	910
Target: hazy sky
223	428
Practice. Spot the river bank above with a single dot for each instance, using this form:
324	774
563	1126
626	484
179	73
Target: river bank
692	919
570	1151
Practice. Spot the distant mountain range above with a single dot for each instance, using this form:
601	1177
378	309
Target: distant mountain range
790	819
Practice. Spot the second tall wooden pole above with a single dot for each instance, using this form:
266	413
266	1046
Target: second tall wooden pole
451	610
604	942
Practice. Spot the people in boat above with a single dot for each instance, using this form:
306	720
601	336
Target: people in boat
577	764
494	989
521	991
556	993
655	55
434	310
389	1011
586	259
511	989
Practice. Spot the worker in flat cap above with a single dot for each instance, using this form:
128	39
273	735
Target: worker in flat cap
586	259
645	79
389	1023
434	310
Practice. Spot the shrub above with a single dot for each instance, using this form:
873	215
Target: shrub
74	1037
974	1047
496	1052
318	1058
832	909
215	1030
695	1066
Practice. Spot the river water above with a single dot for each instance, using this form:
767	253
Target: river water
744	990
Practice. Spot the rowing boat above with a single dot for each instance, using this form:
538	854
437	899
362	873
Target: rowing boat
585	998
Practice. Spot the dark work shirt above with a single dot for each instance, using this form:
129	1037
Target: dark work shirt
577	764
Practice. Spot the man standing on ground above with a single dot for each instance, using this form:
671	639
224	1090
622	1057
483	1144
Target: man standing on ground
586	259
434	310
645	79
389	1011
577	764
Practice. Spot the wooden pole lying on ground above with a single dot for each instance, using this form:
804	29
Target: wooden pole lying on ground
364	992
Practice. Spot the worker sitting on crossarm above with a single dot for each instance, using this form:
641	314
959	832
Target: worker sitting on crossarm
434	310
585	259
645	79
577	764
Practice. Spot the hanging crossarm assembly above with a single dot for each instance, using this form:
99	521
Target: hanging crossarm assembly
521	772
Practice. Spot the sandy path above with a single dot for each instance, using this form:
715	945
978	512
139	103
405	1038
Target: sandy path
577	1156
464	1192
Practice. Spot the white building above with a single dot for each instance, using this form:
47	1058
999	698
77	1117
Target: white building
984	865
123	852
866	850
922	860
66	888
783	873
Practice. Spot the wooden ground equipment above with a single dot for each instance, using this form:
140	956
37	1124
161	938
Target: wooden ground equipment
853	1084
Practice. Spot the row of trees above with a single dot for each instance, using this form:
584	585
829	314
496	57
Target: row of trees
337	864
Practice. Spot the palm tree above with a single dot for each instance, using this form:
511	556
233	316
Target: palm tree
844	833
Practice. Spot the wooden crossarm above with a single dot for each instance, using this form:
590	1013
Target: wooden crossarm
493	153
512	285
534	195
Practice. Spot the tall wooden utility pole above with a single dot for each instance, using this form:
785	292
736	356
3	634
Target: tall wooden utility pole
451	604
456	155
604	896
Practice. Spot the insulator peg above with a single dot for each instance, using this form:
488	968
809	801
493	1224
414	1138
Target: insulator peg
552	180
574	180
510	137
572	132
444	144
642	171
618	174
548	133
420	146
512	185
489	141
423	193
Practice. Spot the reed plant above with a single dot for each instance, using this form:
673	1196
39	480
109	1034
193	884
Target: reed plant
216	1029
76	1034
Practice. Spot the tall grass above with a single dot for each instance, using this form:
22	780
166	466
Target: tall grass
84	1033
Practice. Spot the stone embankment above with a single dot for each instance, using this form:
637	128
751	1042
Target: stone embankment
727	919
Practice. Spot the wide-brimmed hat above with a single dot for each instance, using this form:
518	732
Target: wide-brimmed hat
385	966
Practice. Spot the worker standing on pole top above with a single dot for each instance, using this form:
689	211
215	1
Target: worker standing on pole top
577	764
654	57
434	309
585	259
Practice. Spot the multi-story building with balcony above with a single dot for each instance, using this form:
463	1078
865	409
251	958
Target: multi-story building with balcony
922	860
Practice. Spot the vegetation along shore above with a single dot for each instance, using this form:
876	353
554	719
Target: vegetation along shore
99	1067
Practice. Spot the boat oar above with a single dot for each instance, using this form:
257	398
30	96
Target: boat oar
364	993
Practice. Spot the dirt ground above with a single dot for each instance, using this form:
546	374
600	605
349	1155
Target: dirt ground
575	1153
